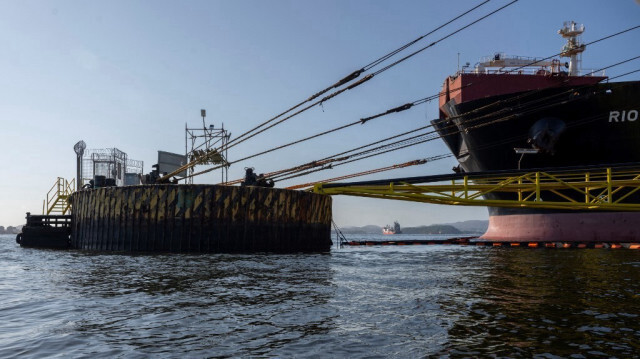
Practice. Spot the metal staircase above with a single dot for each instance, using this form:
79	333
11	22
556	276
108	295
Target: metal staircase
57	200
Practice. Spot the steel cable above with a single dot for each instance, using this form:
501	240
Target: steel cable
409	105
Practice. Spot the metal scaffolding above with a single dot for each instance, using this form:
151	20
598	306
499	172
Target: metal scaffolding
201	146
112	164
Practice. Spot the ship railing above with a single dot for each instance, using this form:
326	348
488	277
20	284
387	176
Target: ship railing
592	72
511	71
502	56
537	70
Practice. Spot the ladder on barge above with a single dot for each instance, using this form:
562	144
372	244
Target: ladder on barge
57	199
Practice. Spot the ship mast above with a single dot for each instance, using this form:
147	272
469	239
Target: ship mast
573	48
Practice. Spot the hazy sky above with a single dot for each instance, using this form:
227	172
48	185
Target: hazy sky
130	74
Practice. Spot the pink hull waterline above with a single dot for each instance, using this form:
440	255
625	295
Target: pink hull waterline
565	227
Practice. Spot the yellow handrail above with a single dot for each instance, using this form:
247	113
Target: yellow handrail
57	198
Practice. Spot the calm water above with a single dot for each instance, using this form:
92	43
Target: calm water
405	302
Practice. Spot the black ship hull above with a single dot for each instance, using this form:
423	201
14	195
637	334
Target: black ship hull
594	130
568	126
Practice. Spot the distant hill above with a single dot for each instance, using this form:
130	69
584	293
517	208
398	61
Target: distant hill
473	226
432	229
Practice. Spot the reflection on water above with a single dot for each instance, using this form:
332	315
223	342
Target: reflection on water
407	302
565	302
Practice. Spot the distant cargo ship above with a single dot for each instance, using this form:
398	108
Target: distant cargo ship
509	106
392	230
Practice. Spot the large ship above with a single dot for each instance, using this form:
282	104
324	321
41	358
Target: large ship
513	112
392	230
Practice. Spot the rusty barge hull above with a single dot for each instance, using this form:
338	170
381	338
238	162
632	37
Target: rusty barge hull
200	219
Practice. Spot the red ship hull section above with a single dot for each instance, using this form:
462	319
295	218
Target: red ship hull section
469	86
565	227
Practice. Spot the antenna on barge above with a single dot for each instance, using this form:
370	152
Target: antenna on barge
574	47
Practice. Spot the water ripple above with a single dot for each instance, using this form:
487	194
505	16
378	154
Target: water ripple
373	302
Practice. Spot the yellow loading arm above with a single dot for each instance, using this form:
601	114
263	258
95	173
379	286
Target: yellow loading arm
593	189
